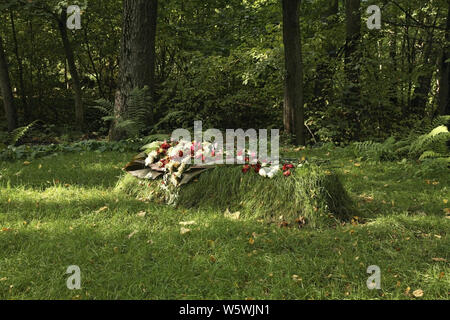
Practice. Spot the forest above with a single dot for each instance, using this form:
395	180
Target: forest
358	89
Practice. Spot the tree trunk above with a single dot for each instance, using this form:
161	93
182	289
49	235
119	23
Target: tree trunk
79	107
137	65
22	92
352	61
5	86
444	85
293	114
423	88
324	72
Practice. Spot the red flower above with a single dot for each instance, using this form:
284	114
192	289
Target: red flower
287	173
245	168
257	169
290	166
165	145
180	154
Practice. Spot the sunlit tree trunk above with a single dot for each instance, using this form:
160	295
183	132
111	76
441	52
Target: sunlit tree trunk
293	114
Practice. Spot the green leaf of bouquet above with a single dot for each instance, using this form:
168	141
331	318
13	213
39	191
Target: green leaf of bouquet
151	146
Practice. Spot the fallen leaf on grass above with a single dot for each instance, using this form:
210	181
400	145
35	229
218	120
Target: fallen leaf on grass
187	223
439	259
212	259
251	241
132	234
418	293
232	216
141	214
27	163
184	230
101	209
407	291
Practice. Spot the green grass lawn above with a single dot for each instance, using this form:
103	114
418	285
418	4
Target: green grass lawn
64	210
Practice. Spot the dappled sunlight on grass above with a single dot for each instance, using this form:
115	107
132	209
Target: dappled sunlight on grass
130	249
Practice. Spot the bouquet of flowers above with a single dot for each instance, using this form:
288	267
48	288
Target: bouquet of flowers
178	162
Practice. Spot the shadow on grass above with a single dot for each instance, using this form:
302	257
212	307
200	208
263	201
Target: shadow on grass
217	260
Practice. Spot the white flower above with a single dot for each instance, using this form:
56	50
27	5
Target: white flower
273	171
153	154
262	172
149	160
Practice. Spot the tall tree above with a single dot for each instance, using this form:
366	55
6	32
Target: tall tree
137	64
423	86
79	107
352	60
22	93
5	86
444	84
324	74
293	114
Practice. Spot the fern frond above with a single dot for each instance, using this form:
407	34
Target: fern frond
19	133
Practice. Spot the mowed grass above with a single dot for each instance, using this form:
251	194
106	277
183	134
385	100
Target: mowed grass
64	210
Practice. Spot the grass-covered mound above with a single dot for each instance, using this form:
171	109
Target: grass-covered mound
310	193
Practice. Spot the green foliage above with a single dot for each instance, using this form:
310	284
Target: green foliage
31	152
12	138
135	119
376	151
434	144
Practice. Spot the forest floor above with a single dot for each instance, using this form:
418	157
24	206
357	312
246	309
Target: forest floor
63	210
